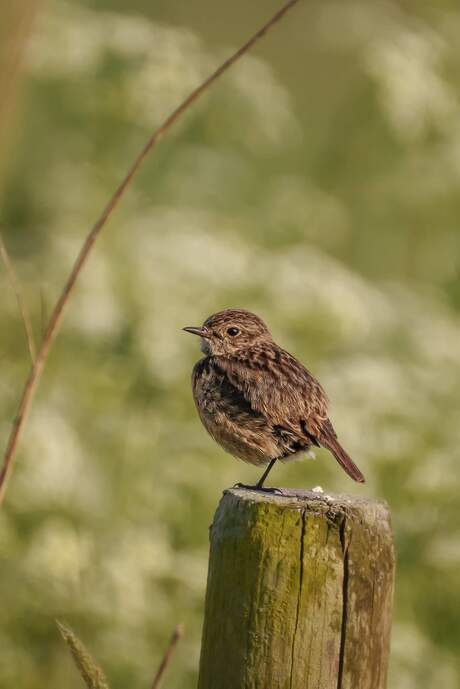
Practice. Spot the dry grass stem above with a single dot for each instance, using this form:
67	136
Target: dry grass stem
175	638
43	311
14	282
85	251
16	23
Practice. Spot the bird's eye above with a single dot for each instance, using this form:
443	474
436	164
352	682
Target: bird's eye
232	332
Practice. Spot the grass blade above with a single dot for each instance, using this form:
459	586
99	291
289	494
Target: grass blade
91	673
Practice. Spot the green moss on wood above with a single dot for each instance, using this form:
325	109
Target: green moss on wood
299	593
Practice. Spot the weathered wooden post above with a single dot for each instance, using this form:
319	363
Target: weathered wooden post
299	595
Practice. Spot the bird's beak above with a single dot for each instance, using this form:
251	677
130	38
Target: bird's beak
202	332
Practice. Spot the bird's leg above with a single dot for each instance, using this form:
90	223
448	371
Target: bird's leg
260	482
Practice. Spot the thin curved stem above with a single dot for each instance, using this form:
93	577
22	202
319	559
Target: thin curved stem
175	638
61	304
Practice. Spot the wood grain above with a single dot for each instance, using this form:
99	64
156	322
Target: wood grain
299	594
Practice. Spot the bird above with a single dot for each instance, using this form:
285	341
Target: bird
256	400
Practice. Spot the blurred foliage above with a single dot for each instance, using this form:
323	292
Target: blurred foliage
317	184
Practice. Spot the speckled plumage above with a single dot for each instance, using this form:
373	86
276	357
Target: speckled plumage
255	399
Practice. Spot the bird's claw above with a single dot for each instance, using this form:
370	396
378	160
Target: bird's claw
257	487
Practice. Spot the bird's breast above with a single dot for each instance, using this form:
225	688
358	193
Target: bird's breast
229	418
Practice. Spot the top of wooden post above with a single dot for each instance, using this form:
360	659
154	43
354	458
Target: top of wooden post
299	592
335	506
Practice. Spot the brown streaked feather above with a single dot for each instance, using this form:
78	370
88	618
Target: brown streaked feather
280	387
274	410
229	417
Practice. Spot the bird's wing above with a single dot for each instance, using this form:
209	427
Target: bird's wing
278	386
292	401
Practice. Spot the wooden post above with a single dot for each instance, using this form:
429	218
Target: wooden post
299	594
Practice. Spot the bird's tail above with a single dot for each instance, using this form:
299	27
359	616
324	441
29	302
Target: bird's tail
330	442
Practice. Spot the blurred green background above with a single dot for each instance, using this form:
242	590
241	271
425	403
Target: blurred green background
317	184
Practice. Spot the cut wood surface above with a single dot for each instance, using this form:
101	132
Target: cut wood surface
299	593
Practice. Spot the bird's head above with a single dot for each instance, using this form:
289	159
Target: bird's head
230	331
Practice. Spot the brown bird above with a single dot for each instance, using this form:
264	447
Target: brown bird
255	399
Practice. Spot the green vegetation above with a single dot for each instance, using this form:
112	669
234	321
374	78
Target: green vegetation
317	184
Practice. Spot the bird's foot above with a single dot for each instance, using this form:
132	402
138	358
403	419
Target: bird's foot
257	487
